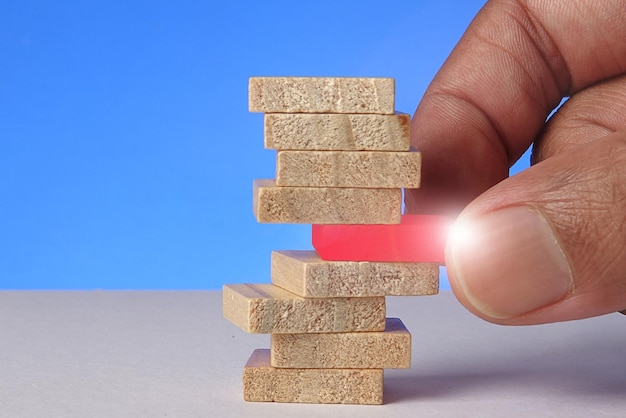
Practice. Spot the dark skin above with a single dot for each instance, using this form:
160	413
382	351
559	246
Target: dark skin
485	107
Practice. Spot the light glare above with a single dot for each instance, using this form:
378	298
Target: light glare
461	233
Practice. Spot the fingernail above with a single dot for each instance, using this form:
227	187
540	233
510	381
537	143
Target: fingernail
508	262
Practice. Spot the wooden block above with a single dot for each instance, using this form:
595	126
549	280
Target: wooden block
342	132
325	205
369	169
390	349
321	95
417	239
269	309
306	274
264	383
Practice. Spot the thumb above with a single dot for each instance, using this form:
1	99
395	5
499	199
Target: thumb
548	244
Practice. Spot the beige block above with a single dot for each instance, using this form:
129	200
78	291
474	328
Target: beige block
304	131
306	274
390	349
321	95
369	169
264	383
325	205
269	309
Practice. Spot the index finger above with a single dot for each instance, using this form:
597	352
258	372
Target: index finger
491	98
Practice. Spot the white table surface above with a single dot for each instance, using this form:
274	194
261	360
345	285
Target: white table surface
171	354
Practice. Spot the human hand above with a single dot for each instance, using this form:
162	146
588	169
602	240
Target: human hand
548	244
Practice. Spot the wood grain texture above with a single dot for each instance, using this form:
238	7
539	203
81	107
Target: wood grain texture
390	349
321	95
269	309
362	169
325	205
342	132
264	383
306	274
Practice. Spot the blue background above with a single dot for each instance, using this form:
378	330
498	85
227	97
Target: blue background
127	150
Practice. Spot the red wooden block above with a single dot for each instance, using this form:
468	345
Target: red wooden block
416	239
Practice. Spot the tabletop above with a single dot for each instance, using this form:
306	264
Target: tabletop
171	354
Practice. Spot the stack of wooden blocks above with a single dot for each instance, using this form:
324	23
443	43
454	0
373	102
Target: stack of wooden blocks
343	158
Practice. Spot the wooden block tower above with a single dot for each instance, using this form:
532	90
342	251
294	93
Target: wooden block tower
343	159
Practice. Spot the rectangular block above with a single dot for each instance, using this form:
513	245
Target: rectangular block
390	349
417	239
321	95
264	383
340	132
363	169
325	205
306	274
269	309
